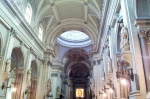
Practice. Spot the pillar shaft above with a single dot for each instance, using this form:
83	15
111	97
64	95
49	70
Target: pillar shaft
145	57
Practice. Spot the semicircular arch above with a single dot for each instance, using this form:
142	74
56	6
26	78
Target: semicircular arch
17	57
66	26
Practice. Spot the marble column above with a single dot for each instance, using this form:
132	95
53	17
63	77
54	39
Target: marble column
145	57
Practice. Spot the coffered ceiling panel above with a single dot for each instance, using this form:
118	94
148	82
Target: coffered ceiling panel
70	10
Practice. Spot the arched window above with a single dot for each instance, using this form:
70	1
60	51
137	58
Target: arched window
28	13
40	32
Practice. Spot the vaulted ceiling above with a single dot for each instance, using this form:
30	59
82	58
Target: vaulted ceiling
80	15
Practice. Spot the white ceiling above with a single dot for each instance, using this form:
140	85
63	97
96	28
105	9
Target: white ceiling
52	13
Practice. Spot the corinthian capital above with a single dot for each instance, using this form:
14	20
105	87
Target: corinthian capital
142	33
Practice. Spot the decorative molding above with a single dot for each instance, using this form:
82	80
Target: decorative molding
142	22
105	6
12	6
5	23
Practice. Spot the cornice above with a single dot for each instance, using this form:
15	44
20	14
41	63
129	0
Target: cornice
12	6
102	21
6	25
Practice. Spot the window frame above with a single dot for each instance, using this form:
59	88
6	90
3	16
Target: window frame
28	13
40	32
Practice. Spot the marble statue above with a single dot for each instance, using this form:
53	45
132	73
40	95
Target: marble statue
109	65
8	65
93	83
103	75
48	86
29	75
124	43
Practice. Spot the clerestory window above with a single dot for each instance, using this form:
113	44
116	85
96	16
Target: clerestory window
40	32
28	13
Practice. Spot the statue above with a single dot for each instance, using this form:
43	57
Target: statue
93	83
109	65
58	90
48	86
29	75
8	65
103	75
124	43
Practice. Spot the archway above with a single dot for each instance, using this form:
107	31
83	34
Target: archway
79	77
77	68
14	66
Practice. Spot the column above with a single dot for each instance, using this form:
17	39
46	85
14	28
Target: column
34	82
145	57
66	90
18	83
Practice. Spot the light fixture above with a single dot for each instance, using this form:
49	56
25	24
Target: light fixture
104	94
123	81
111	90
14	89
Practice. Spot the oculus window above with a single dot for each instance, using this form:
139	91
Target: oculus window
74	35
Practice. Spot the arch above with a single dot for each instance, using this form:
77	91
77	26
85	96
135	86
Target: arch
47	7
69	64
17	58
81	53
70	25
34	69
79	70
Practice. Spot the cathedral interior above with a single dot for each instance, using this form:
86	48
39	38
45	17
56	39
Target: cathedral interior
74	49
